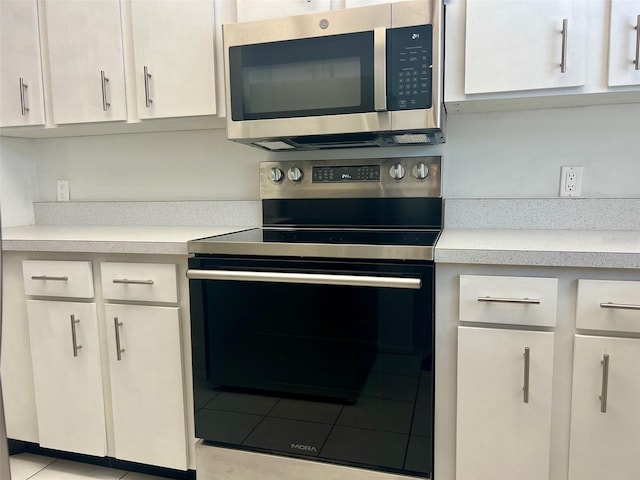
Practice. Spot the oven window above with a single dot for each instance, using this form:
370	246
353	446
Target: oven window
339	373
306	77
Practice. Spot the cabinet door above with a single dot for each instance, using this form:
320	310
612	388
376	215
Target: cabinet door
624	43
250	10
502	434
173	50
518	45
67	375
147	385
85	44
20	70
605	444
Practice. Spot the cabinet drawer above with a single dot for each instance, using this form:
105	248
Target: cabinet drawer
146	282
608	305
53	278
508	300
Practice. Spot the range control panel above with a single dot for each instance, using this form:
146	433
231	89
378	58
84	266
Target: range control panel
358	173
369	178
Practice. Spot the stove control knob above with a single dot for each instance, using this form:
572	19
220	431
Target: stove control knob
397	171
275	175
420	171
294	174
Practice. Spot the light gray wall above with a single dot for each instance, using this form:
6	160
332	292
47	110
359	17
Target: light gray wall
515	154
190	165
519	154
487	155
18	185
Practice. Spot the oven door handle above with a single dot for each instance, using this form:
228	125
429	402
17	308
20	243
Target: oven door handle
307	278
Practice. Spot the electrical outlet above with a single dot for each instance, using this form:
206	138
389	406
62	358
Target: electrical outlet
571	181
62	188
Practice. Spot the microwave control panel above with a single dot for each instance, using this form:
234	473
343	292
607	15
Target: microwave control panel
409	67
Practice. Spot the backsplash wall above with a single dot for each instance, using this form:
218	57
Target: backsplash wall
513	154
487	155
18	185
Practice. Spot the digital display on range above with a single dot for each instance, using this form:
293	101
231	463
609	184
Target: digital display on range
359	173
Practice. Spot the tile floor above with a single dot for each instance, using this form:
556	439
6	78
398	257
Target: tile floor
36	467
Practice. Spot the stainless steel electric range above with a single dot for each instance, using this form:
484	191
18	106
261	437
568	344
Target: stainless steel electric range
313	336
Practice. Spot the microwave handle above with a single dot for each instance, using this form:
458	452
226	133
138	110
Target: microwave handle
380	69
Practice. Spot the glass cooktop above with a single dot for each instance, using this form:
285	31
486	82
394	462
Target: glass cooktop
326	243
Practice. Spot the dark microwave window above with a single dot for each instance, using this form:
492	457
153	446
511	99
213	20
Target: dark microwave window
298	78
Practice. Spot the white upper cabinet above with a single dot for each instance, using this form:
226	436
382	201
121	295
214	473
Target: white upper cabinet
510	54
624	43
85	60
173	46
524	45
20	68
250	10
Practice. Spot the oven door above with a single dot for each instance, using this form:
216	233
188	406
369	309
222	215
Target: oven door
325	359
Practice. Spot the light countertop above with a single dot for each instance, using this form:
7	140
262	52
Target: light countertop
171	240
560	248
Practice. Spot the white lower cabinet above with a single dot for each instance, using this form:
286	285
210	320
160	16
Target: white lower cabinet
605	409
503	404
65	352
148	404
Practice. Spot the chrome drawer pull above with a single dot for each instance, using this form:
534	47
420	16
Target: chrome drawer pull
528	301
563	63
147	89
306	278
117	325
24	109
621	306
46	277
133	282
637	28
605	383
103	81
74	339
527	361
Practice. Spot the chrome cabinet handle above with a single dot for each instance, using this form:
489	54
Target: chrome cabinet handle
527	362
147	95
46	277
307	278
380	69
563	63
637	28
133	282
104	80
622	306
532	301
24	109
117	325
74	339
605	383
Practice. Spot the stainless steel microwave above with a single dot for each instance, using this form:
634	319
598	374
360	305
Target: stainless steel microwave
358	77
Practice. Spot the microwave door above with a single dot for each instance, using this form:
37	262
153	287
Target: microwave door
327	81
